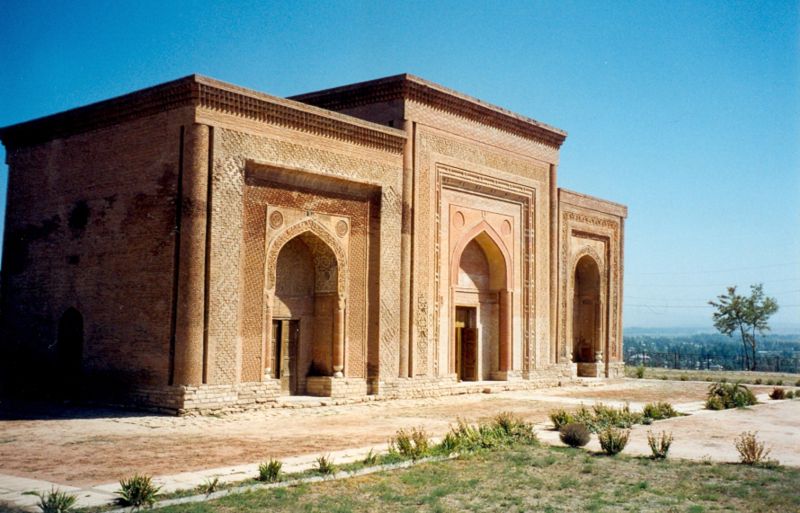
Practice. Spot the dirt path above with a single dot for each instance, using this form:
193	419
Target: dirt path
81	447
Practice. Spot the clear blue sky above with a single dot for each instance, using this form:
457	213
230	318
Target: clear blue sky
687	112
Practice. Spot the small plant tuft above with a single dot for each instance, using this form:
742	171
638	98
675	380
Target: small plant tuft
684	377
659	410
659	445
751	451
790	394
779	382
797	383
210	486
777	393
413	443
137	491
575	434
370	459
613	440
325	465
54	501
270	471
770	382
560	418
758	381
640	372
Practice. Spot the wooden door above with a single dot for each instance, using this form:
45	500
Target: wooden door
469	352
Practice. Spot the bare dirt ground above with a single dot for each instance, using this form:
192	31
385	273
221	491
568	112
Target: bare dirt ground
82	446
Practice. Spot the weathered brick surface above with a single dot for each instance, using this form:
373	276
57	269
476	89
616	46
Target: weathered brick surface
90	225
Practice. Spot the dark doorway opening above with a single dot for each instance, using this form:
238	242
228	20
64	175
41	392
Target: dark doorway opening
286	334
466	340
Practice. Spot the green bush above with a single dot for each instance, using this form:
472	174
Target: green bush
770	382
504	430
325	465
777	393
601	416
797	383
751	451
413	443
613	440
758	381
659	445
640	372
137	491
575	434
560	418
270	471
715	403
54	501
779	382
515	429
729	395
684	377
790	394
659	410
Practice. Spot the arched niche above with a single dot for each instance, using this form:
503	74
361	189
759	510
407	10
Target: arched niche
586	313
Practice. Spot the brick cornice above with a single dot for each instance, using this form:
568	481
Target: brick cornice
410	87
201	92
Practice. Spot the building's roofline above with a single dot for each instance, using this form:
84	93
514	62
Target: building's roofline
592	202
200	91
439	97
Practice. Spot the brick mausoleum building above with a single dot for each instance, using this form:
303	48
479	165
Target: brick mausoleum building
197	246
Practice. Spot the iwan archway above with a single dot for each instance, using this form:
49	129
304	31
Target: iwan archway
482	312
587	349
306	318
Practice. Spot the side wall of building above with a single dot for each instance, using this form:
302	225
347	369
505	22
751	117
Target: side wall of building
591	229
89	249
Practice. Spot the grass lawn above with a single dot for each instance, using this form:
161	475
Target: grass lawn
764	378
526	478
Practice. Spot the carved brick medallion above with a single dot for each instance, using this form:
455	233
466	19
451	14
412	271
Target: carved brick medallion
275	220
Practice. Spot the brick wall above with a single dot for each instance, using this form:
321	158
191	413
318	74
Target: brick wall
90	226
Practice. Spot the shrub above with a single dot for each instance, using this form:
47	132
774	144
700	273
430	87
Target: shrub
684	377
613	440
325	465
270	471
640	372
797	383
751	451
137	491
659	410
770	382
209	486
663	378
514	429
659	445
54	501
413	443
715	403
779	382
758	381
575	434
560	418
777	393
790	395
729	395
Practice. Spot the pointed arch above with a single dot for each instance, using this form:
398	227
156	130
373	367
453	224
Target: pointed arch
292	231
492	245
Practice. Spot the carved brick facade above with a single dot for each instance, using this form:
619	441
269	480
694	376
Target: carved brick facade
197	246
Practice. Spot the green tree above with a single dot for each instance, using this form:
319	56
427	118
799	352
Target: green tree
746	315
